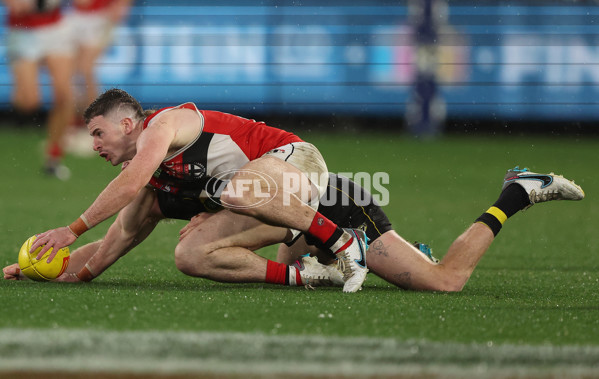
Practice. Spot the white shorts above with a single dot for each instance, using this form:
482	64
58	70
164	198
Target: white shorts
93	29
35	44
305	157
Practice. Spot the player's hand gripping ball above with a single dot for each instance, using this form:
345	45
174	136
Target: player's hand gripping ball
40	270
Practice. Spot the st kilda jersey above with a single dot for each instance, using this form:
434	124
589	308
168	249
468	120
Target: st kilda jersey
47	12
201	169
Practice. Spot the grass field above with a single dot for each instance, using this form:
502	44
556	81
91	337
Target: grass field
531	308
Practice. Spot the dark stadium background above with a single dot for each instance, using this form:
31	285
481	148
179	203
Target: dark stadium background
501	66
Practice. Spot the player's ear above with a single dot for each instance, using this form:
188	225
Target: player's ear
127	124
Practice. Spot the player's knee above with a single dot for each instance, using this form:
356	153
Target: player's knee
243	202
451	287
189	260
182	259
231	201
451	282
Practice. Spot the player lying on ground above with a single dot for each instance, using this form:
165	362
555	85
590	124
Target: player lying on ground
399	262
389	256
191	153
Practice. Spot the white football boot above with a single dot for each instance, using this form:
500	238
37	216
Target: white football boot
543	187
315	274
352	261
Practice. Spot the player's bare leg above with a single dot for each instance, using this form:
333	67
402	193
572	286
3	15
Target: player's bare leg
397	261
221	246
61	113
400	263
521	189
26	93
283	193
279	203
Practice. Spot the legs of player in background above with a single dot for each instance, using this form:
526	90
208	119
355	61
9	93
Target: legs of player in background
26	93
86	64
78	141
61	113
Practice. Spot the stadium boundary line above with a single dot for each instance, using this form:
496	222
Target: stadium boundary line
178	353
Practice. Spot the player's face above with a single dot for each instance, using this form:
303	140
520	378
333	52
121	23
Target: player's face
109	140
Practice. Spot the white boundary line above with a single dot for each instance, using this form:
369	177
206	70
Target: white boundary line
79	350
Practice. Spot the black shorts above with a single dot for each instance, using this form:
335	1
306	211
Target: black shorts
178	207
350	206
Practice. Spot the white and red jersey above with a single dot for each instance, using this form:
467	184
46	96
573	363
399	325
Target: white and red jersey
92	5
52	15
225	143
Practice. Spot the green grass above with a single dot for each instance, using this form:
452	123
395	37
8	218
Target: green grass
537	285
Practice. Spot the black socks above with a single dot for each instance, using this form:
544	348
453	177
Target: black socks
511	200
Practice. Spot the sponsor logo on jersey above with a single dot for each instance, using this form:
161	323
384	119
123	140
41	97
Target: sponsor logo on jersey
197	170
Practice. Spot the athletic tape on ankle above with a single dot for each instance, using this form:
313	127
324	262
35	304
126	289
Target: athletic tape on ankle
498	214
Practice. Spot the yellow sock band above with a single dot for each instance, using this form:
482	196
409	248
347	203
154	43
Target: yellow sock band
498	214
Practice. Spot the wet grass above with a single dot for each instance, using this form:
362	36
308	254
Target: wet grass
537	285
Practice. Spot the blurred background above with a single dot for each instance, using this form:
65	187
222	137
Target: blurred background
425	67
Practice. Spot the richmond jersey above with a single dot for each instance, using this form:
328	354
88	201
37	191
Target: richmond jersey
226	142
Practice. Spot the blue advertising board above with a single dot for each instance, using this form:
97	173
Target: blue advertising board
352	57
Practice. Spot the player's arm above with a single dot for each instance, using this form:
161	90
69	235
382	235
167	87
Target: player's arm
132	226
117	242
152	148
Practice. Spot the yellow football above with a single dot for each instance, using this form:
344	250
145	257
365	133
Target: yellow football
40	270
